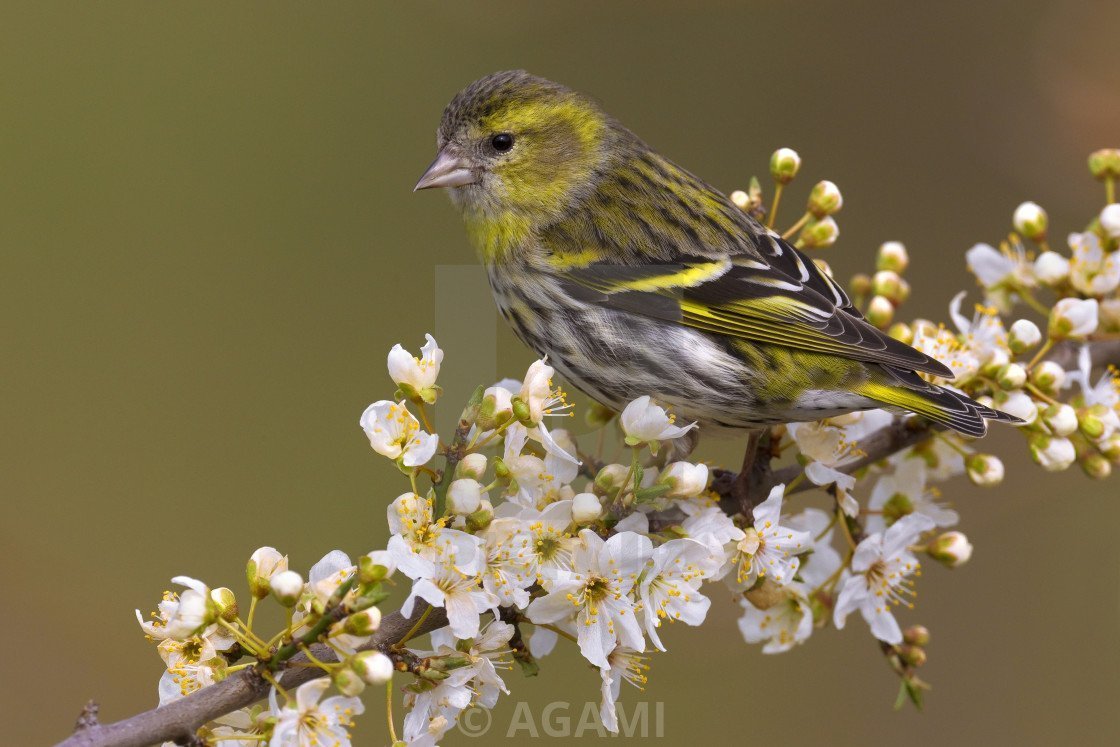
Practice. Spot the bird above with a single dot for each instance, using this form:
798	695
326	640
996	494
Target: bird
634	277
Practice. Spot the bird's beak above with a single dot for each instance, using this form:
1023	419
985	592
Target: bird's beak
450	169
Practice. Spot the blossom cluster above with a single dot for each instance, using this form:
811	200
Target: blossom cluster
517	534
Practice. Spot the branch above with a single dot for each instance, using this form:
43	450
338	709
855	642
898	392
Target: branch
179	721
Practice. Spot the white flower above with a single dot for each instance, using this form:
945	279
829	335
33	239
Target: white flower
834	443
625	664
586	508
309	723
539	395
419	543
951	548
1091	270
670	585
983	335
768	549
1110	220
1104	397
464	496
434	711
882	566
686	480
597	593
537	481
944	346
417	376
904	492
394	432
1051	268
510	567
711	526
459	594
550	545
782	626
1073	317
644	422
182	615
995	268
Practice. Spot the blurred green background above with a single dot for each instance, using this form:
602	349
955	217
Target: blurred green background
208	242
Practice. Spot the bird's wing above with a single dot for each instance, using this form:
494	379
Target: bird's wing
778	296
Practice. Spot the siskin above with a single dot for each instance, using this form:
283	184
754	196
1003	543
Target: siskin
635	277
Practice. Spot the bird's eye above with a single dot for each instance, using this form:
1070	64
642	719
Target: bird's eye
502	142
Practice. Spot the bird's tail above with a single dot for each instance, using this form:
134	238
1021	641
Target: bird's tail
907	390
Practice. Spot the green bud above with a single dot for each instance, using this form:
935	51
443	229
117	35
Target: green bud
1048	376
901	332
448	663
598	415
1089	422
916	635
819	234
914	656
1011	376
263	563
825	199
860	285
495	409
897	506
480	519
892	256
984	470
1110	448
784	165
1096	466
225	603
951	549
371	572
434	675
501	471
610	478
365	622
1105	163
348	681
522	412
888	283
880	312
1031	221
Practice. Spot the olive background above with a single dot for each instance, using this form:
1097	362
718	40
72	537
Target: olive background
208	243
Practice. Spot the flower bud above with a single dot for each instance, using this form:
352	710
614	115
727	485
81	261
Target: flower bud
1052	454
1031	221
1048	376
951	548
892	256
225	602
1011	376
481	518
586	508
1051	268
685	480
887	283
263	563
880	312
1096	466
1073	318
913	656
901	332
286	587
1023	336
464	496
1110	448
1105	163
472	466
985	470
610	478
1019	404
860	285
784	165
825	199
496	408
819	234
1061	419
365	622
598	415
1090	421
348	682
374	667
916	635
1110	315
375	566
741	199
1110	220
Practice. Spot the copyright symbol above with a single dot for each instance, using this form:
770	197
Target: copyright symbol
474	722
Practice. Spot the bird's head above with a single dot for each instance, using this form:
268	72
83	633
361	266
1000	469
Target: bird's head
514	151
